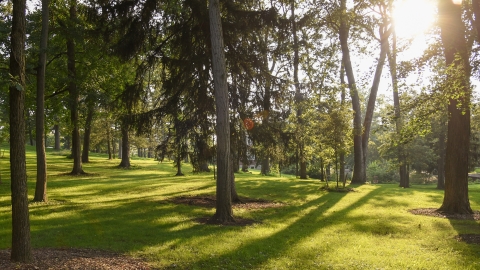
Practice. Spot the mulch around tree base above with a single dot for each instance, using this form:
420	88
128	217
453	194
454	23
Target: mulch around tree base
70	258
210	200
432	212
467	238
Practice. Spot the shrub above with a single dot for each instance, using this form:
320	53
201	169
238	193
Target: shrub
381	172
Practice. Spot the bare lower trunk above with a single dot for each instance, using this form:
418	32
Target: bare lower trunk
441	157
125	146
109	143
86	136
265	166
57	137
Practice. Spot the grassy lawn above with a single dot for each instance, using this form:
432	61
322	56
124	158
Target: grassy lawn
128	211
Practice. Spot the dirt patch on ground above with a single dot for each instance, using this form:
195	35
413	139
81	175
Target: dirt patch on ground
209	202
467	238
69	258
244	203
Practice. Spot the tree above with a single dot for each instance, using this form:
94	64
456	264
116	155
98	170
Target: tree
392	59
41	184
73	93
224	211
359	168
458	91
21	250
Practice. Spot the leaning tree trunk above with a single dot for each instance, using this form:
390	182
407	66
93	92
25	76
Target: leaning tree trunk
367	123
74	96
41	184
458	130
223	213
359	165
21	249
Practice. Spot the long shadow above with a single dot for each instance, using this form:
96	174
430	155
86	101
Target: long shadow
468	226
112	228
281	241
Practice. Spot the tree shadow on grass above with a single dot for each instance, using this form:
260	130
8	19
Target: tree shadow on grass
281	241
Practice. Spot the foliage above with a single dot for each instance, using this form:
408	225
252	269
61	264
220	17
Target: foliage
382	172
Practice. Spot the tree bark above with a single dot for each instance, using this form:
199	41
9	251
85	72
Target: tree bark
30	130
41	184
223	213
125	146
73	96
441	157
458	130
86	136
21	249
109	143
57	137
359	165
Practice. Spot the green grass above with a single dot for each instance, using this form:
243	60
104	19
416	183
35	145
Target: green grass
128	211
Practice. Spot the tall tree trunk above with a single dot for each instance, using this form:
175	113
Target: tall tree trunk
21	249
56	129
109	142
359	166
441	156
120	147
458	130
30	130
125	146
223	213
178	164
298	94
41	184
86	136
342	100
402	160
68	142
73	96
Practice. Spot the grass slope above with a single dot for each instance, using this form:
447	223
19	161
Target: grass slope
128	211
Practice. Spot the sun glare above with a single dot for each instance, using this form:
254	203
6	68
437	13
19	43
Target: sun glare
414	17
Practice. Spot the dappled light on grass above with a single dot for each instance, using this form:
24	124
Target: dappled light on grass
130	212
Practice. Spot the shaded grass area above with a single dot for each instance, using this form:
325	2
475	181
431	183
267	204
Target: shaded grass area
130	211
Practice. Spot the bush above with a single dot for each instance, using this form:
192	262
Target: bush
381	172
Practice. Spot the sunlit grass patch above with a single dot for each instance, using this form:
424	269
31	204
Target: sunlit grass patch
130	211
